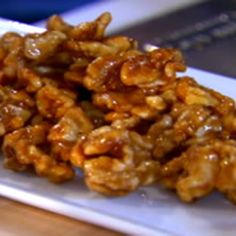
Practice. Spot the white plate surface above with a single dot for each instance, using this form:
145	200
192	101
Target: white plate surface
149	211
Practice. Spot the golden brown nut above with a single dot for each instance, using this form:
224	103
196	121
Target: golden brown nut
226	180
191	93
107	47
199	175
229	122
155	69
56	23
66	132
103	74
202	169
16	108
116	161
41	47
22	150
84	31
29	79
53	102
11	45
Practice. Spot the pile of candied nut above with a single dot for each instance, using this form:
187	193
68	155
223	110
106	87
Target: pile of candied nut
72	97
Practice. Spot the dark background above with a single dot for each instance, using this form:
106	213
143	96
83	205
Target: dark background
29	11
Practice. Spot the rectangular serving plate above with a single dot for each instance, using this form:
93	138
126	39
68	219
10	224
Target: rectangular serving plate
149	211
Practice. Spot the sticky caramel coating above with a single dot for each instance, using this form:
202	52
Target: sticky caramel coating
16	108
115	161
53	102
74	97
202	169
22	150
65	133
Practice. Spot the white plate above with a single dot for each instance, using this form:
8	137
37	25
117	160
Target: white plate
149	211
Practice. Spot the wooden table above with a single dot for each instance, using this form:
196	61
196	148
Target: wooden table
23	220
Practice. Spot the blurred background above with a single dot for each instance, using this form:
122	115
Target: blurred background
30	11
205	30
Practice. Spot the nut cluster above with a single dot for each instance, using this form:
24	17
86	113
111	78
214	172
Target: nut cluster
73	97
